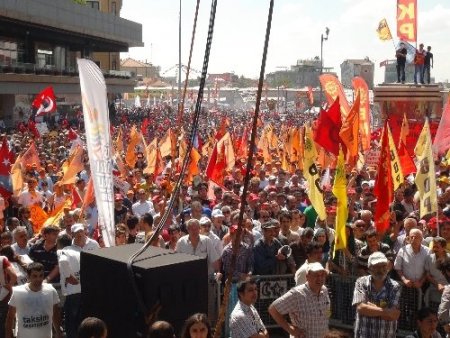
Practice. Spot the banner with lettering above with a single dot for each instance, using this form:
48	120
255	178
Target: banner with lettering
333	88
359	85
98	140
407	20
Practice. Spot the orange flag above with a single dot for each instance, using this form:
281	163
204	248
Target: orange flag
193	165
333	88
73	165
350	131
38	218
167	144
89	196
360	85
224	124
154	160
17	176
119	142
135	138
57	214
31	157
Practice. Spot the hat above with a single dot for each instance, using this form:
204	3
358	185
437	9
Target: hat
130	192
156	198
204	220
268	225
314	267
253	197
365	182
118	197
272	178
233	228
444	179
377	258
217	213
77	227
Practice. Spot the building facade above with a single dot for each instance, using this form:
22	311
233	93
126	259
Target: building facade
139	69
357	67
40	42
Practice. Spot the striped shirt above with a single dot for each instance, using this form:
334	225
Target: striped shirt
387	297
245	321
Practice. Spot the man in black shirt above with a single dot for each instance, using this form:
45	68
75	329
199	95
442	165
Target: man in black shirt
428	64
401	62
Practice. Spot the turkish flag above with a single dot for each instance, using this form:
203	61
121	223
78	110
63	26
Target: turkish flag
6	158
45	101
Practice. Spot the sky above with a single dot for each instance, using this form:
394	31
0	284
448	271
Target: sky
296	33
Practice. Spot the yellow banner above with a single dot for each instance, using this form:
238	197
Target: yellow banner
312	176
340	191
396	169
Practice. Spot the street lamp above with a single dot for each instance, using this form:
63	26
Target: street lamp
322	39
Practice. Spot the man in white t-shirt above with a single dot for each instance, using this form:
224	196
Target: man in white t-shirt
36	306
69	272
81	240
30	197
143	205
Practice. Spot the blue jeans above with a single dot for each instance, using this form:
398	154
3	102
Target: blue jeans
72	314
418	70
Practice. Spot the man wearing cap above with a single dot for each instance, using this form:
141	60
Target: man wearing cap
266	250
80	239
376	298
205	230
307	305
218	227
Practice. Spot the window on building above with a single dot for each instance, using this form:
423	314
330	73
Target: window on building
93	4
114	7
11	52
114	65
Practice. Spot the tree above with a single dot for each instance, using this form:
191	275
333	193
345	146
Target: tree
80	2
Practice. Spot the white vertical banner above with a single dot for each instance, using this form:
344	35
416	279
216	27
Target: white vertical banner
98	140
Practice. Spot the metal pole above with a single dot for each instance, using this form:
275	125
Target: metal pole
179	57
321	68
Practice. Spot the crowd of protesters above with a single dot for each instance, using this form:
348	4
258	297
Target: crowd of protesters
281	232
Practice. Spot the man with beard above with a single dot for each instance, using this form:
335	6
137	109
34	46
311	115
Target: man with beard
376	298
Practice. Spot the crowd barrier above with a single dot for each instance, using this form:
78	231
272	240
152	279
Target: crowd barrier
340	289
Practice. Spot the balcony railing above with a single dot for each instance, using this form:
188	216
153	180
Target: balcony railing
30	68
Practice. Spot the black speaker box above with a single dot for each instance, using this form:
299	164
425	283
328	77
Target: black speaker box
177	282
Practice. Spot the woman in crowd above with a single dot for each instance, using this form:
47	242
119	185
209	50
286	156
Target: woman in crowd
197	326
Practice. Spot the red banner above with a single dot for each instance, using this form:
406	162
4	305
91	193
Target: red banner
407	20
333	88
364	116
415	127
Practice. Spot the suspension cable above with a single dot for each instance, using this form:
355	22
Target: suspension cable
237	240
186	159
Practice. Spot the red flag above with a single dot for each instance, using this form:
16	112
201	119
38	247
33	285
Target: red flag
76	198
222	128
328	126
144	126
406	161
215	170
6	158
72	135
442	139
32	128
383	186
45	101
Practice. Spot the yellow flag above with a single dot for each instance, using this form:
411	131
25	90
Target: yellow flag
340	191
311	174
384	33
426	174
396	169
38	218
